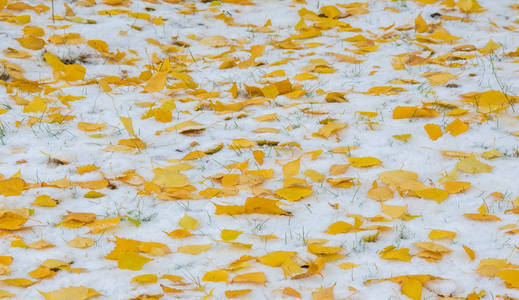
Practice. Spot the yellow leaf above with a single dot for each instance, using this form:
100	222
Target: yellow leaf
258	156
4	293
420	25
314	175
270	91
343	182
456	127
145	278
406	112
330	11
489	101
216	276
438	78
510	277
35	106
56	264
491	154
132	261
490	47
153	248
472	165
215	41
230	235
86	168
323	250
340	150
127	123
19	282
31	42
276	258
470	253
454	187
347	265
93	195
229	209
233	90
277	73
457	154
266	118
369	114
399	254
241	143
214	150
457	112
338	169
433	130
100	226
175	179
437	234
13	219
15	53
290	267
88	127
162	115
94	184
194	155
433	247
439	35
98	45
237	293
305	76
293	193
291	169
42	272
194	249
81	242
335	97
71	72
331	128
412	288
482	217
402	137
380	193
490	267
6	260
156	83
179	233
260	205
75	220
384	90
254	277
394	211
11	187
19	243
340	227
45	200
324	294
172	278
469	6
347	59
41	244
71	293
364	162
435	194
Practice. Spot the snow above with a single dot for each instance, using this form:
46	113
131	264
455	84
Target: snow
311	215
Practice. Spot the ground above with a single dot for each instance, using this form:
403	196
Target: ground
259	149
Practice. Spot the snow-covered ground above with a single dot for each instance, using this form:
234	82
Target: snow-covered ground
242	148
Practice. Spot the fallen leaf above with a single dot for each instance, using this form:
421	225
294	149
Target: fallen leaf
71	293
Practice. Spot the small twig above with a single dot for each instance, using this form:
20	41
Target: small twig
52	3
